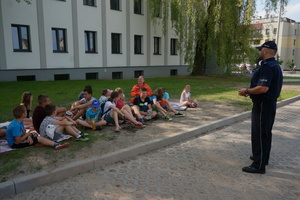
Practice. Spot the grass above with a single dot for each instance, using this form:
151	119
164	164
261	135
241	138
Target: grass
63	93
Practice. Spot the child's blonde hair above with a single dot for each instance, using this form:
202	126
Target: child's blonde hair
187	86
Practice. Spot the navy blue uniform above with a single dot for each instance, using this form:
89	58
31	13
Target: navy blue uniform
269	74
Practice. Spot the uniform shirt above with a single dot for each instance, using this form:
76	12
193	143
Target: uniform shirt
269	74
15	128
94	116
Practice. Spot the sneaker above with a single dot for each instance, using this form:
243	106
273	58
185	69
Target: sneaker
98	128
139	125
84	134
179	114
60	146
142	120
168	118
82	139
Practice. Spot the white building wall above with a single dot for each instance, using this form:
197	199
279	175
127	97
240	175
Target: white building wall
58	15
21	14
157	31
41	63
138	26
89	18
116	23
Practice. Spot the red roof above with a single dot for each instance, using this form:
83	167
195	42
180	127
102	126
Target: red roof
257	26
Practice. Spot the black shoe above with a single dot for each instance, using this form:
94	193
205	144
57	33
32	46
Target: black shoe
251	158
251	169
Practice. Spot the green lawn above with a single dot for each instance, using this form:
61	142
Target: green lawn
63	93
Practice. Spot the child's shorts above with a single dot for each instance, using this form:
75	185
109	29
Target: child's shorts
109	119
25	144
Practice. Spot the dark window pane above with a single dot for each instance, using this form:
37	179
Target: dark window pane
138	6
115	4
138	44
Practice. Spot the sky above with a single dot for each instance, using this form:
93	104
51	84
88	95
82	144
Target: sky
292	10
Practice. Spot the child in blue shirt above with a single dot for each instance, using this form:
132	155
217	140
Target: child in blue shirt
17	137
93	117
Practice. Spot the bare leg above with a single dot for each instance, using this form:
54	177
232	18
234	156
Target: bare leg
45	141
136	111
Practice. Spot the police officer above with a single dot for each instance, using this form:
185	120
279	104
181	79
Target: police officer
265	87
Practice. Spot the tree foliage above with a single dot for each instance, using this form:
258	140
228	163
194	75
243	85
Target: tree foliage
207	30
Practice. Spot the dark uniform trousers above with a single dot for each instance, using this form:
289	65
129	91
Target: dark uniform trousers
263	115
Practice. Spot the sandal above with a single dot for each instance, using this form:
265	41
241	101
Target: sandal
118	128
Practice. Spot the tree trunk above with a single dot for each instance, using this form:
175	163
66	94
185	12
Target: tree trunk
199	62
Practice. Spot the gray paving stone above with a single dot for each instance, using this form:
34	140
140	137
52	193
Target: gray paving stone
206	167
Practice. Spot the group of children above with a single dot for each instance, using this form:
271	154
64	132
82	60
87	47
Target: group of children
49	122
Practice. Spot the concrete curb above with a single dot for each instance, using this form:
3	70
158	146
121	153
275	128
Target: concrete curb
28	182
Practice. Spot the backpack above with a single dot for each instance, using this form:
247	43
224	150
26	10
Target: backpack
102	109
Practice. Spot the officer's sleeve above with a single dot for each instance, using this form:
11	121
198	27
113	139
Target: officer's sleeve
265	78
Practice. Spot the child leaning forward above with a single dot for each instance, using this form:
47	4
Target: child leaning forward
59	124
17	137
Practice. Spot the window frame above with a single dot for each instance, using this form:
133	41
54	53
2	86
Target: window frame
173	47
64	31
19	38
156	45
140	47
138	7
87	41
116	47
89	3
116	3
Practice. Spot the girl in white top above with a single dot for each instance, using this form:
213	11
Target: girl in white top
185	98
112	113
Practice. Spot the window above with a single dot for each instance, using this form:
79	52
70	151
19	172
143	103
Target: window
173	72
91	76
115	4
138	6
61	77
294	42
138	39
59	42
267	31
156	46
173	46
26	78
89	2
274	31
20	38
117	75
115	43
90	41
138	73
293	52
295	31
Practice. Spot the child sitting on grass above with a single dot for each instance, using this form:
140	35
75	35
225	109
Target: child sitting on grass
112	113
185	98
18	138
93	117
60	124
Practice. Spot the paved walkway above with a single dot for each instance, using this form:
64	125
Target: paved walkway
206	167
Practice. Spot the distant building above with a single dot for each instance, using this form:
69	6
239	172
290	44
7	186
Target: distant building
84	39
289	37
